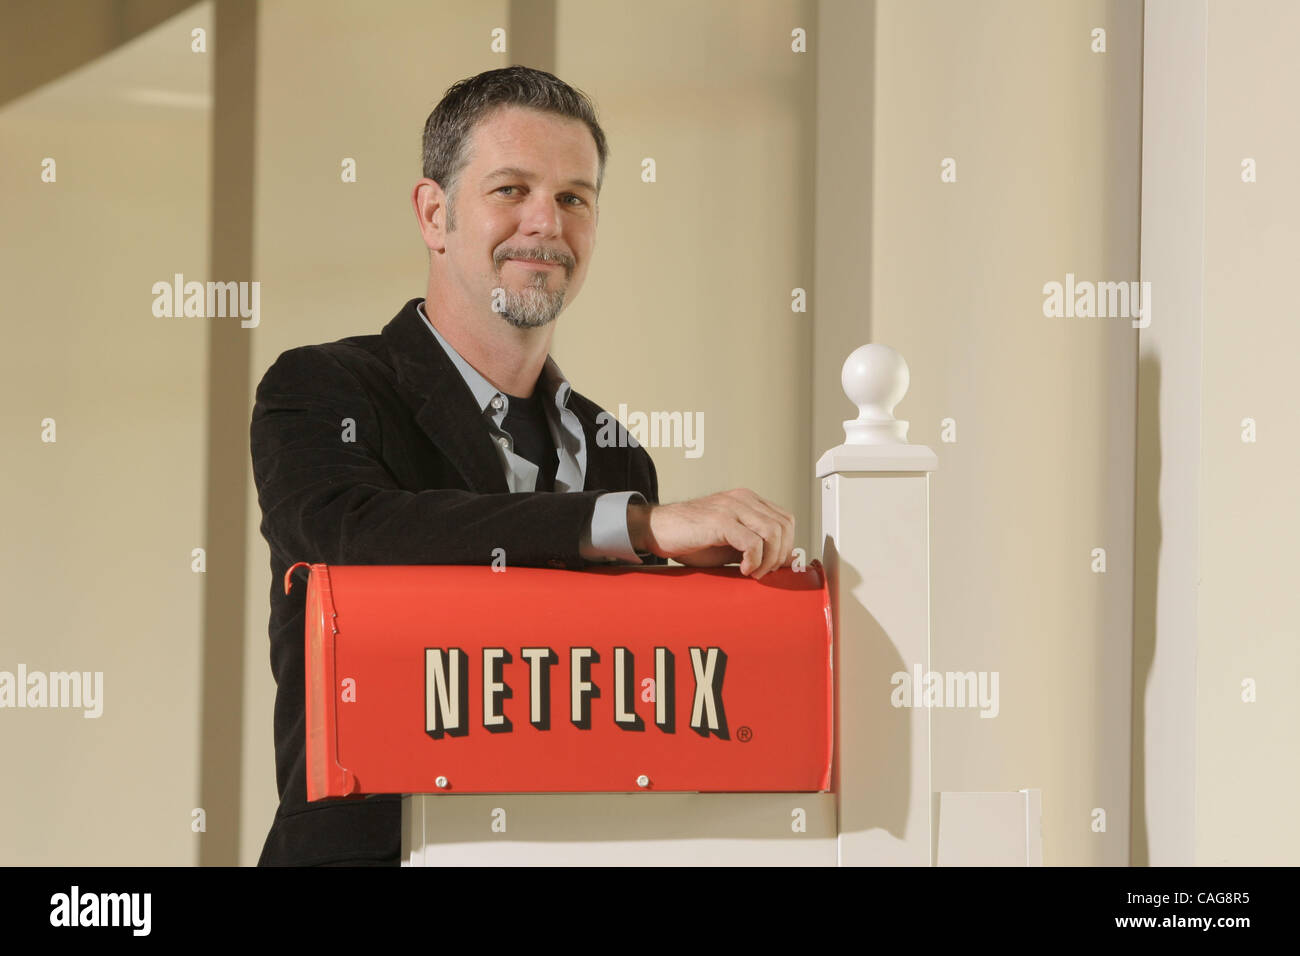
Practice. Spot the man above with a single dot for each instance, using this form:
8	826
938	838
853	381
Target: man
453	433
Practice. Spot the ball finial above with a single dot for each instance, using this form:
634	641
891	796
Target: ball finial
875	378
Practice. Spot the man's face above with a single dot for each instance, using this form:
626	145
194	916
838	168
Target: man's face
528	192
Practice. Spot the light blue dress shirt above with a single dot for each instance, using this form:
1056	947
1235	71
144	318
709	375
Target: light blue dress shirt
606	538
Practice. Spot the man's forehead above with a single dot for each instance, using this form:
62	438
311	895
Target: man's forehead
503	144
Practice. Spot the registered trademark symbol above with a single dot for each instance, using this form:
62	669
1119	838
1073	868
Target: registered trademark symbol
744	734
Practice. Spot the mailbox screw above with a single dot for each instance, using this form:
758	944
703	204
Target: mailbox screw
441	782
643	781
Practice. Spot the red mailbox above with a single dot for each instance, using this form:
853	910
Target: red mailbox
426	679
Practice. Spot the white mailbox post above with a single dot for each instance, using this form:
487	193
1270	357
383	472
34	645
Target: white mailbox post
876	548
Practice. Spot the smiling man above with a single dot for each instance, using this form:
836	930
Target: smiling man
452	436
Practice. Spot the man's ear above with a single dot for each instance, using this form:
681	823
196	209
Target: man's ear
430	206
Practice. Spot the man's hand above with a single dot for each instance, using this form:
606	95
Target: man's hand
718	529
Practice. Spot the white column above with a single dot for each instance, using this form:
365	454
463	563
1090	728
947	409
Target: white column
1170	466
876	549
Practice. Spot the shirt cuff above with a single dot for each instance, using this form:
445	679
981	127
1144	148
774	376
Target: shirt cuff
606	537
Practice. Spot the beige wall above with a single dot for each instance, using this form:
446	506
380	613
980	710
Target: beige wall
95	573
1217	609
1045	134
1247	768
693	275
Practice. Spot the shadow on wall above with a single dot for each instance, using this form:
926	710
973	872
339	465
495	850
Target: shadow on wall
1146	563
40	42
887	756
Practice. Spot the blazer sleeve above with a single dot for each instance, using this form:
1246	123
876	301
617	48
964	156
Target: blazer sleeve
648	557
324	499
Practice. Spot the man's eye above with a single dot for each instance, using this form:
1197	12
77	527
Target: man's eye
581	201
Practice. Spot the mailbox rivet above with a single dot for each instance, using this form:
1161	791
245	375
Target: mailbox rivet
441	782
643	781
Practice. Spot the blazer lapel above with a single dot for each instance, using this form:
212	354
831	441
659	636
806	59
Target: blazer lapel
443	404
445	410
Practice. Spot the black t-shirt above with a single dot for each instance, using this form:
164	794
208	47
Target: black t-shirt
525	421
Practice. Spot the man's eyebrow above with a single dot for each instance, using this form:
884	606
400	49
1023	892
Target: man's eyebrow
525	174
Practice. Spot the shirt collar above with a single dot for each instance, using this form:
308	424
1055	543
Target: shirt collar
552	381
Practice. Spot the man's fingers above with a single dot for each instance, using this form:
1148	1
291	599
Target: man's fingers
748	543
781	539
755	531
775	529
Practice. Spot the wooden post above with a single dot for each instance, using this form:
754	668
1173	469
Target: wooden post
876	549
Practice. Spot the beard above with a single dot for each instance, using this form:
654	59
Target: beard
532	306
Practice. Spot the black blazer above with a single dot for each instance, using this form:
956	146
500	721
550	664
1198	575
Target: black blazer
420	483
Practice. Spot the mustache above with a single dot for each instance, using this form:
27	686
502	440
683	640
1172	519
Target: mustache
544	255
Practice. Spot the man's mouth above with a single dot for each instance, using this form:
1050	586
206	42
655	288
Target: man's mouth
538	263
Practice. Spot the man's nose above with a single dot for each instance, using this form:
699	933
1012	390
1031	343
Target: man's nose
541	218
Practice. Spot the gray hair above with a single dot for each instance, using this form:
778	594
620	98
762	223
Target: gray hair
469	101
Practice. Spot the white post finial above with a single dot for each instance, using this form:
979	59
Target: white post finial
875	378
